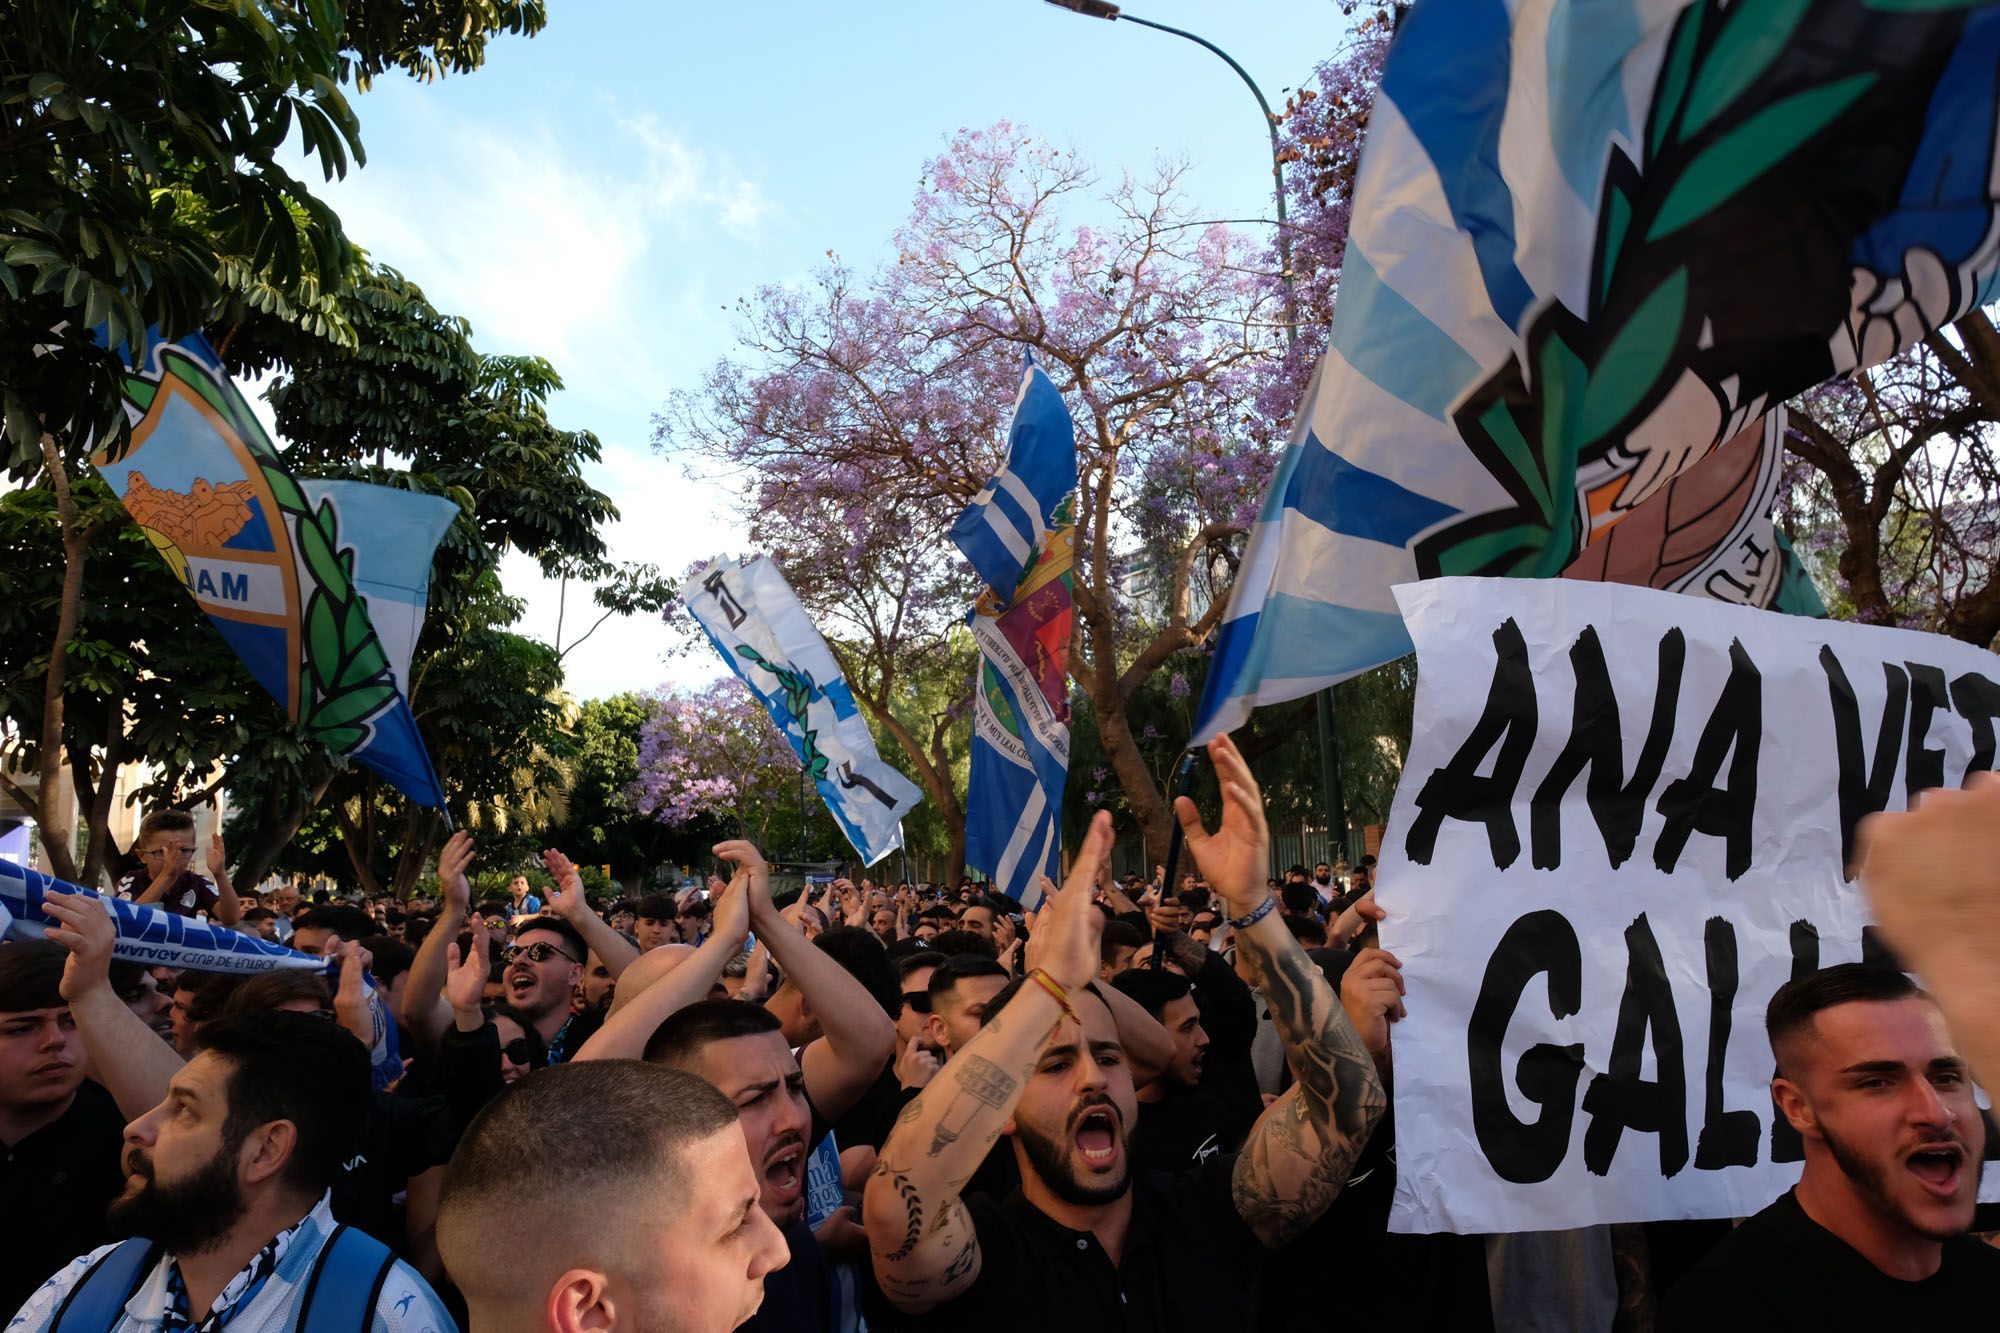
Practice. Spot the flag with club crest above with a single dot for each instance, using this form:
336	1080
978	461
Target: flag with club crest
1020	536
1593	248
318	585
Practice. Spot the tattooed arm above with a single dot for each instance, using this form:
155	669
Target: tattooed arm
919	1232
1297	1157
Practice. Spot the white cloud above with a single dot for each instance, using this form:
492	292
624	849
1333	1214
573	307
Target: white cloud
600	257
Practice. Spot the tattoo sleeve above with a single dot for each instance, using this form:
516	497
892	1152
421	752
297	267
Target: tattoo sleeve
920	1236
1298	1156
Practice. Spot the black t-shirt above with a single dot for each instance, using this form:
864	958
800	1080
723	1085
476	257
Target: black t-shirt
1781	1269
191	893
400	1137
55	1185
798	1298
1188	1265
1180	1131
870	1119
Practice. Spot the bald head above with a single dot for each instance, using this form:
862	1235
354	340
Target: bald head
582	1167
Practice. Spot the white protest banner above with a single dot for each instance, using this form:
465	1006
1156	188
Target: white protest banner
1622	825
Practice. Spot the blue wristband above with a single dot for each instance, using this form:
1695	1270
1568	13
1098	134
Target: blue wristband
1256	914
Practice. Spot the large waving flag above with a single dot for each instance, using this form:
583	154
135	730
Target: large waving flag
319	586
1008	521
754	619
1591	246
1020	727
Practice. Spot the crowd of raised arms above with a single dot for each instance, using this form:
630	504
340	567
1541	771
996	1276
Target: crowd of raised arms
1142	1105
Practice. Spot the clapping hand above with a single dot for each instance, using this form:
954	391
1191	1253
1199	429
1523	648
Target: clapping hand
456	855
1234	857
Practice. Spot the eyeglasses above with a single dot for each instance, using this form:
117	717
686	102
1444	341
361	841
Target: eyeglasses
519	1051
919	1000
152	852
538	952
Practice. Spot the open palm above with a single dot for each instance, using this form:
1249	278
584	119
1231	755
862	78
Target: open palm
1236	857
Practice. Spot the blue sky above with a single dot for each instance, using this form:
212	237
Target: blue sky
600	194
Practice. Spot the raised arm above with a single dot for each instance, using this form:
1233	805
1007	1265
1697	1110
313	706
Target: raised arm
568	902
919	1233
228	907
1932	876
1298	1155
669	979
126	1057
859	1037
425	1010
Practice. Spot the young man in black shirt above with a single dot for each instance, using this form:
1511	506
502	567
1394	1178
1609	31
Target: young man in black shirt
1179	1127
1874	1234
1083	1245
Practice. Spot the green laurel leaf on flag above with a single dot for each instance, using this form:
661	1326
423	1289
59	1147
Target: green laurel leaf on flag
353	706
1752	148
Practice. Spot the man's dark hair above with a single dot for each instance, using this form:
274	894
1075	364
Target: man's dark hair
622	905
1154	988
392	957
208	993
573	944
267	990
495	907
1800	1000
1196	899
913	961
565	1146
1299	899
685	1033
256	914
955	968
31	975
862	955
350	923
295	1067
953	942
1013	988
1367	862
1309	931
1118	935
656	907
164	821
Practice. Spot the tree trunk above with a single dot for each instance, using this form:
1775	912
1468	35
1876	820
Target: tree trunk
420	830
58	829
97	792
278	823
1142	793
358	840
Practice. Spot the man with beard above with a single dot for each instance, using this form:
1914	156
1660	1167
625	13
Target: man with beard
226	1192
784	1101
1083	1245
1874	1235
645	1209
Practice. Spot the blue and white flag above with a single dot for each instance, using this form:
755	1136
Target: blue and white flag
1592	245
754	619
153	937
1008	521
1022	623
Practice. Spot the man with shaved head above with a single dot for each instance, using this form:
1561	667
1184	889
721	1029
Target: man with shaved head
631	1207
1874	1235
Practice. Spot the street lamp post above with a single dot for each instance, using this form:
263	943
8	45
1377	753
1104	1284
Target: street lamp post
1329	753
1101	9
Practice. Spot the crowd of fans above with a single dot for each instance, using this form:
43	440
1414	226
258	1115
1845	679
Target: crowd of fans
1142	1105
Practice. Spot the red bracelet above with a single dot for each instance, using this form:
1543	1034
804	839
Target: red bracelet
1060	995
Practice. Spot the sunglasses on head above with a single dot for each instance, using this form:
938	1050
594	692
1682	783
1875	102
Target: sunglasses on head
919	1000
519	1051
538	952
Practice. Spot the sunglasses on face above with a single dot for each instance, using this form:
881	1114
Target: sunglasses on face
538	952
919	1000
519	1051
